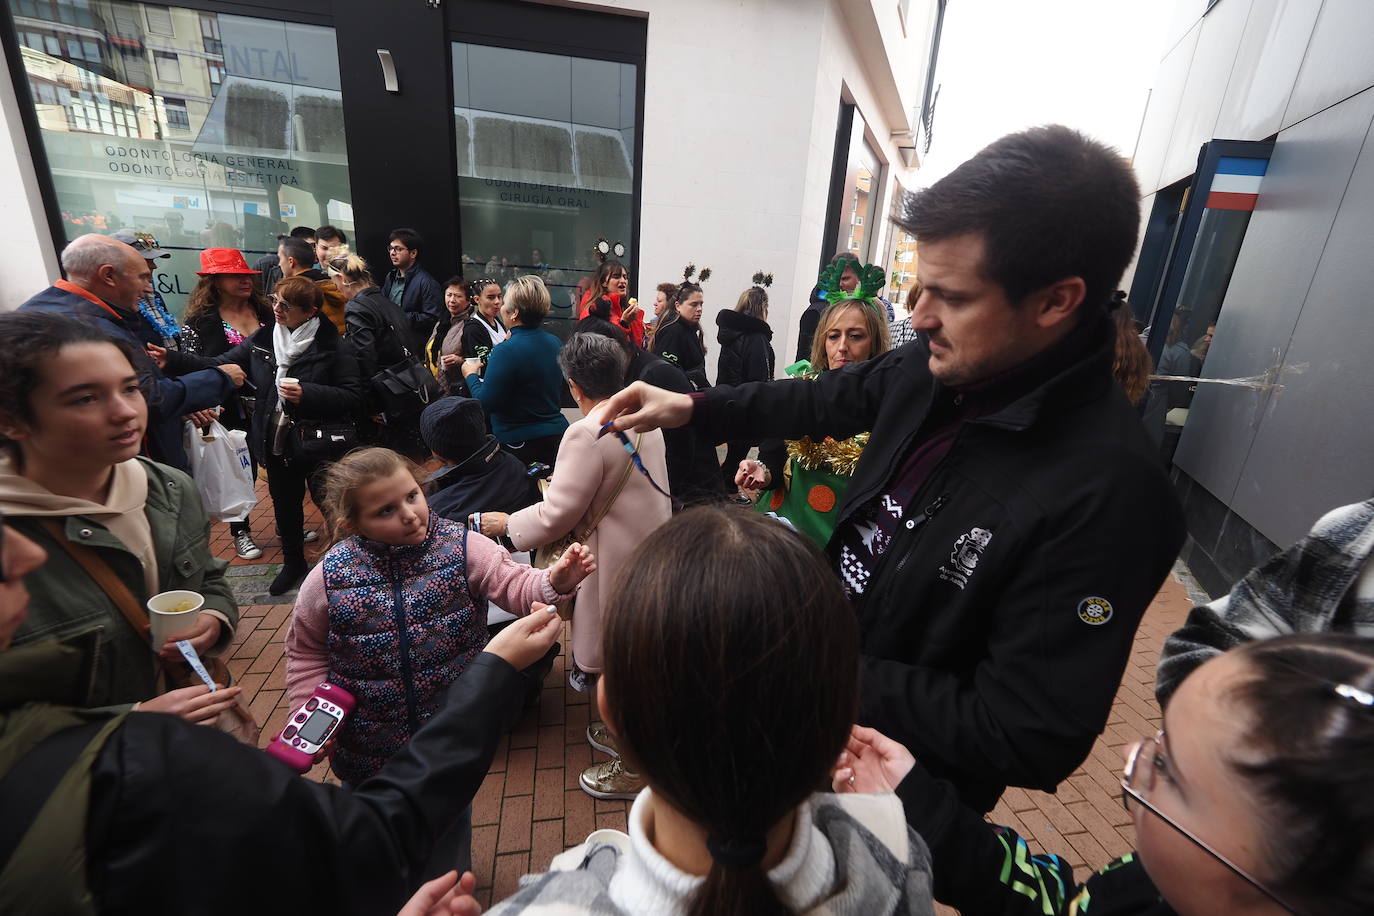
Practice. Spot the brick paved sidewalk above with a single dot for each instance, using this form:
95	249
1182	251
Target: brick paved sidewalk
530	807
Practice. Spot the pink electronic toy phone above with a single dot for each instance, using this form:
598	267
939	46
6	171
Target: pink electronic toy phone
310	727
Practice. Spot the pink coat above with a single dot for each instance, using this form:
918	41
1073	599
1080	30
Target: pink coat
586	474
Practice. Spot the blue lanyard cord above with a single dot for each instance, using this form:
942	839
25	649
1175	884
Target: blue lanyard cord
638	462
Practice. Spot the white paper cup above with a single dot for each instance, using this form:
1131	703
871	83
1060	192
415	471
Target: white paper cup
173	612
288	380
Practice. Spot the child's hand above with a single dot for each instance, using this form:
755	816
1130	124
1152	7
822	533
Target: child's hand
576	564
871	762
526	640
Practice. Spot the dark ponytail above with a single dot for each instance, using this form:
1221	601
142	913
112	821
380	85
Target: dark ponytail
1311	703
731	693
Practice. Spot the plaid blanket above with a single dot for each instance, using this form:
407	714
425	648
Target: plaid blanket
1323	583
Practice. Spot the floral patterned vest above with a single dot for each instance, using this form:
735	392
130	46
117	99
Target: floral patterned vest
402	626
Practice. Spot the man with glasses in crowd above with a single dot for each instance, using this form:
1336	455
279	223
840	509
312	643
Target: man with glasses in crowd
412	287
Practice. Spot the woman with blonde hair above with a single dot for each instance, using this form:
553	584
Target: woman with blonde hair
522	388
381	336
807	479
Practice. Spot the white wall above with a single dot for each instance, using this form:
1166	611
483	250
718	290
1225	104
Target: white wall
739	138
28	261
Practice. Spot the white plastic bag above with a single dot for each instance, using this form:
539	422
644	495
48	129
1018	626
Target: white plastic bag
222	471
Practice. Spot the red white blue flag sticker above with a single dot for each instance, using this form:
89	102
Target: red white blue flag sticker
1236	184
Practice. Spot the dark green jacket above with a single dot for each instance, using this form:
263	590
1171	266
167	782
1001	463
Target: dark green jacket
53	848
66	602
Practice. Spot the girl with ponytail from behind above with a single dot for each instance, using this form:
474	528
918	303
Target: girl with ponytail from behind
733	695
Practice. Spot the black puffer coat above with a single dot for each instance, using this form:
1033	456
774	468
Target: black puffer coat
746	351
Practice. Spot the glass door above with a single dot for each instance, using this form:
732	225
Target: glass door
201	129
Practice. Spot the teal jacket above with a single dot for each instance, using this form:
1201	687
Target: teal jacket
67	603
523	386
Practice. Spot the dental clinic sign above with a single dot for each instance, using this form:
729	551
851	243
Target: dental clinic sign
280	52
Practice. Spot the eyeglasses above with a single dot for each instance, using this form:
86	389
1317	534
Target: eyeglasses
285	306
395	248
1139	770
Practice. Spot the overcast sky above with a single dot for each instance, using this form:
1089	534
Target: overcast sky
1009	64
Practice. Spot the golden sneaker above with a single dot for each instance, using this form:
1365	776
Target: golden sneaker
600	737
610	780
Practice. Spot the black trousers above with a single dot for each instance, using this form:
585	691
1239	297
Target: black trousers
544	449
288	482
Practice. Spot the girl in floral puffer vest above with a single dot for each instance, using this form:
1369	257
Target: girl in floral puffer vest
397	607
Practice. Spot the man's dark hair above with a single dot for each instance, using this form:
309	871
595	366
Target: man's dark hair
331	233
299	249
1048	202
407	237
839	256
303	232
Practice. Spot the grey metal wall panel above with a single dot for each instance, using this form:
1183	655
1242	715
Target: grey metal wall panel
1186	14
1301	193
1315	448
1338	63
1266	67
1208	76
1158	124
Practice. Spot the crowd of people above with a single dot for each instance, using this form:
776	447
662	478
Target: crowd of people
914	580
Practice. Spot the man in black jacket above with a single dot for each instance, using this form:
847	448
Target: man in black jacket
816	303
1008	523
147	813
412	287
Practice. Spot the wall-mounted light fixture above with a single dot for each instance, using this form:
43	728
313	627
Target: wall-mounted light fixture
389	81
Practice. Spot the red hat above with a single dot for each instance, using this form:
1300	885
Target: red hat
223	261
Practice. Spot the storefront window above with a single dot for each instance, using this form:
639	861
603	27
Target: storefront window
139	135
861	201
545	164
901	270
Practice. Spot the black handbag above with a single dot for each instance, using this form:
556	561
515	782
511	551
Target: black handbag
405	389
312	443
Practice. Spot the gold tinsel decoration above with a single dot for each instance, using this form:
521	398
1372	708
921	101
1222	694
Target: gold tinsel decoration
841	457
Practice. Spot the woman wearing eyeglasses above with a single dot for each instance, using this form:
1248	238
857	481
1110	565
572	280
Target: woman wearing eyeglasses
224	309
599	495
308	399
1254	798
